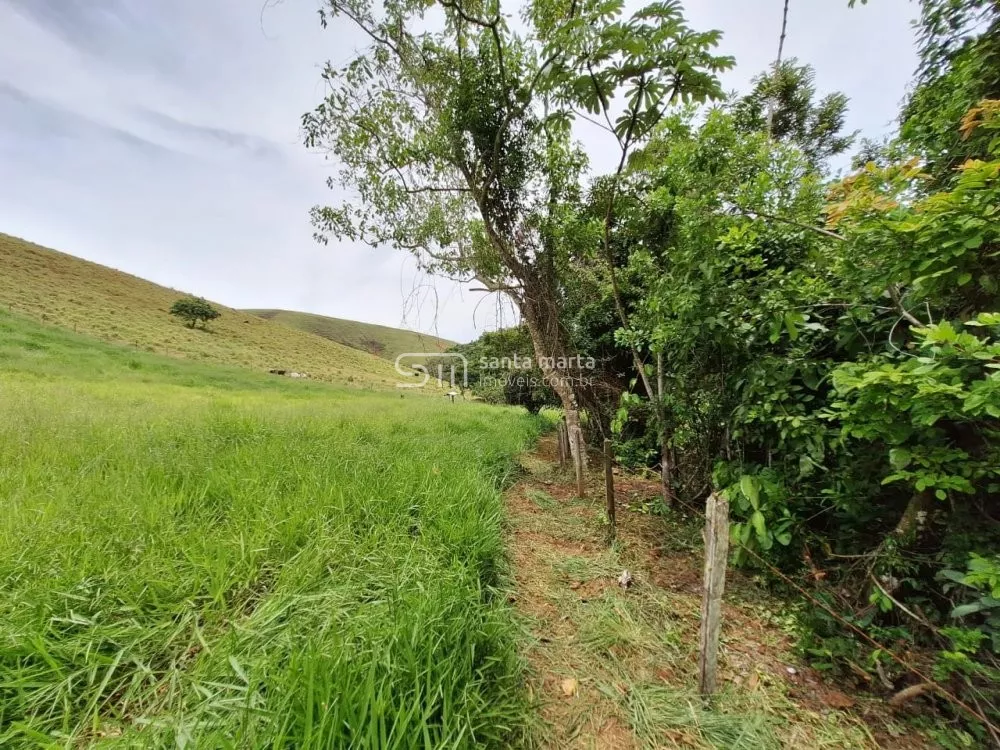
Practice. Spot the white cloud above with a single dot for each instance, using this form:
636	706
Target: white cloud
162	138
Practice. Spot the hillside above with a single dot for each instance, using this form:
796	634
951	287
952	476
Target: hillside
382	341
73	293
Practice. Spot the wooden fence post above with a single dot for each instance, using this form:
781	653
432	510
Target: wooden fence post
564	436
581	486
716	553
609	491
560	445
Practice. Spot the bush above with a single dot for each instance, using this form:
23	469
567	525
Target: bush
193	310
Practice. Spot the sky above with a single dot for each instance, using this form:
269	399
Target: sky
161	137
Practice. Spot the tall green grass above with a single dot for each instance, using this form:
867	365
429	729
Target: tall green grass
207	558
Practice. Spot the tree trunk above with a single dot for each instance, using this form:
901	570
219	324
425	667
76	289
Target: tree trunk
666	465
560	382
914	518
666	473
540	313
907	533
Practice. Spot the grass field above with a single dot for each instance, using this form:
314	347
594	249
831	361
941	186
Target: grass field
205	557
381	341
66	291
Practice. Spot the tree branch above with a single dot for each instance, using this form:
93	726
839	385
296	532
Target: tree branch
512	111
608	218
435	189
592	121
898	302
378	39
455	6
771	217
604	107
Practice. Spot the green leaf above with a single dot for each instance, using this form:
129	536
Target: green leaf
792	321
238	669
748	485
775	330
759	524
900	458
967	609
952	575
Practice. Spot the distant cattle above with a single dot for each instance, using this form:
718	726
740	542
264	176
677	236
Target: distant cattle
289	374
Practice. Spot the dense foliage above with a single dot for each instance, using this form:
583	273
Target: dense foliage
828	350
839	382
832	353
501	368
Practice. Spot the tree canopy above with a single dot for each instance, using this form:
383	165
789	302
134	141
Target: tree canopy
194	310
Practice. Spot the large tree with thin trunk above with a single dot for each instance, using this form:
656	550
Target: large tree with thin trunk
453	131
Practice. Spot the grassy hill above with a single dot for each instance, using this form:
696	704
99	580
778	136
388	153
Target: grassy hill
382	341
66	291
206	556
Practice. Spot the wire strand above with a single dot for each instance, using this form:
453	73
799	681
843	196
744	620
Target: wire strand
944	692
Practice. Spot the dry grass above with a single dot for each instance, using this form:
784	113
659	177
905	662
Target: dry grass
382	341
613	668
66	291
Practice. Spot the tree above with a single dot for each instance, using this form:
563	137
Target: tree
838	381
959	47
782	107
193	310
502	368
455	135
784	99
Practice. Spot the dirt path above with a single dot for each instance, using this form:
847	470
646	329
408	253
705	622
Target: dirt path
616	668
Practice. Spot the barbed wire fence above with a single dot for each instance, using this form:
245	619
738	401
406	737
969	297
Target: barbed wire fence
927	684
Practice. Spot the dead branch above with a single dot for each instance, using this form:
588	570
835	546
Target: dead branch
910	693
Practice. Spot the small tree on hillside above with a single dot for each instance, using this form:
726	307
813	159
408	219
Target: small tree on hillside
193	310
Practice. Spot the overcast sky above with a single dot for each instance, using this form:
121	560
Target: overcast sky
161	137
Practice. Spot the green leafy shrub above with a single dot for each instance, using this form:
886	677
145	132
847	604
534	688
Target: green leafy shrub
977	591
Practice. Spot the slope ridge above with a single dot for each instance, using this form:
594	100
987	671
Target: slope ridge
382	341
70	292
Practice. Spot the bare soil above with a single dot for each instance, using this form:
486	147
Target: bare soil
613	667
